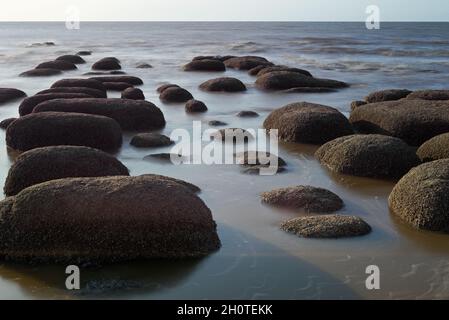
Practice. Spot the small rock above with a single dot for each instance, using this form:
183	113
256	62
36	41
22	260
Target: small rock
175	95
194	106
150	140
247	114
133	94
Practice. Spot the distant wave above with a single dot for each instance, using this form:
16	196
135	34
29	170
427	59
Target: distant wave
249	47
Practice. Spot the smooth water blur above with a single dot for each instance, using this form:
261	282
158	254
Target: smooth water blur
257	261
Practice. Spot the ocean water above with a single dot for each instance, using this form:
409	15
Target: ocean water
257	260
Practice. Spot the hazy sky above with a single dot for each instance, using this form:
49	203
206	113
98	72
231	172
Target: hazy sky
224	10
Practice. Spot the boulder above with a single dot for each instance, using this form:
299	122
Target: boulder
166	157
57	162
150	140
306	198
193	106
10	94
130	114
107	64
435	148
246	62
429	95
57	65
117	86
166	86
372	155
6	122
73	58
387	95
84	53
327	226
357	103
133	94
247	114
220	58
135	81
216	123
254	71
421	197
40	73
310	123
84	83
165	220
266	70
225	84
284	80
59	128
28	104
205	65
104	73
175	95
94	93
414	121
144	66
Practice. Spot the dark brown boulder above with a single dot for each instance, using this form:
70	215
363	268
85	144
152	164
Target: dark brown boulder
57	65
84	53
150	140
76	59
372	155
84	83
216	123
166	86
306	198
28	104
10	94
6	122
117	86
94	93
357	103
435	148
254	71
305	122
193	106
414	121
57	162
175	95
225	84
40	73
266	70
109	63
165	220
429	95
309	90
387	95
421	197
135	81
246	62
284	80
205	65
59	128
327	226
247	114
130	114
133	93
144	66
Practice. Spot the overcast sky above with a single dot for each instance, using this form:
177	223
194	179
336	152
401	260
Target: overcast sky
224	10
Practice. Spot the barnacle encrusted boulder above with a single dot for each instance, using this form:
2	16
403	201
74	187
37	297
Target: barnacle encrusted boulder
57	162
62	128
130	114
306	122
327	226
435	148
421	197
106	220
371	155
306	198
429	95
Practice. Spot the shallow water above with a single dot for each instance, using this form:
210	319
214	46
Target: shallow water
257	260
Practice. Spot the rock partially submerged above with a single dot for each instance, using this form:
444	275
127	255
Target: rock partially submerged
133	94
246	62
165	220
254	162
57	162
387	95
72	58
414	121
117	86
284	80
305	122
372	155
57	65
84	53
135	81
435	148
166	86
194	106
175	95
130	114
84	83
421	197
58	128
225	84
95	93
216	123
429	95
40	73
108	63
28	104
205	65
247	114
306	198
266	70
10	94
150	140
327	226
